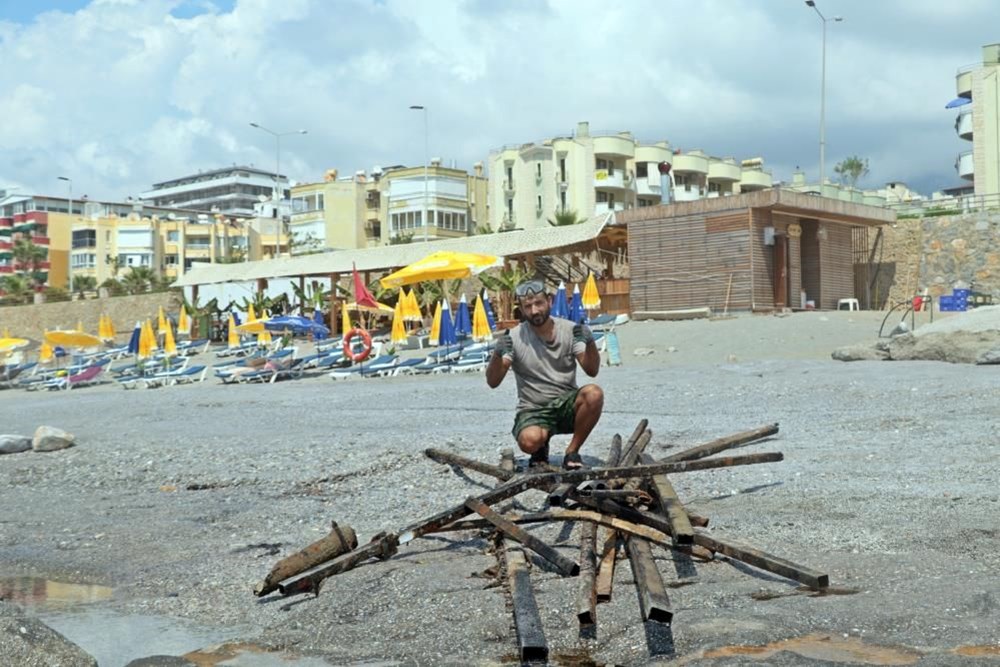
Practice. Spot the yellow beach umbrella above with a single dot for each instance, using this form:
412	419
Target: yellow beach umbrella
161	322
251	315
151	337
345	318
591	297
169	344
432	339
264	338
146	336
411	309
255	327
382	308
8	344
71	339
45	354
398	328
441	265
234	338
183	322
101	333
480	323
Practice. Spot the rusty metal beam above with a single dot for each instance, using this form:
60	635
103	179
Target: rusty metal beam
341	539
722	444
654	603
531	643
586	601
671	507
565	565
763	560
381	546
604	581
451	459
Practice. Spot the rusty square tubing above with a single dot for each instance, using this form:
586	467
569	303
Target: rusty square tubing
531	643
586	601
565	565
722	444
654	603
671	507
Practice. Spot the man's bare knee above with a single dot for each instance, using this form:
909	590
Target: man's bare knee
531	439
591	397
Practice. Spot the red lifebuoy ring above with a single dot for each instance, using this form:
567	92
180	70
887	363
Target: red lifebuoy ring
366	339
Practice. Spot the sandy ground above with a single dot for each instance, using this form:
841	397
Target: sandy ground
175	497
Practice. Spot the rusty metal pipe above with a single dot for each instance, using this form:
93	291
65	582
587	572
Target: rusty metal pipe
341	539
531	643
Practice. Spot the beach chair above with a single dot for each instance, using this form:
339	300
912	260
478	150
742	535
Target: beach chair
372	367
470	363
88	376
180	375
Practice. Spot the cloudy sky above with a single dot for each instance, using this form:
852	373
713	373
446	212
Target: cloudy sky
119	94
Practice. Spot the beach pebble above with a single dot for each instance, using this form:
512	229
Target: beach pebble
14	444
50	439
643	351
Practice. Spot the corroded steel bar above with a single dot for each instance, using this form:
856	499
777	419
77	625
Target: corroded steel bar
619	494
381	546
630	443
586	601
631	458
340	540
722	444
451	459
653	599
558	496
597	518
763	560
527	621
604	581
565	565
671	507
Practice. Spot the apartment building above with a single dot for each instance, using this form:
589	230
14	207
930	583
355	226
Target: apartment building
978	122
230	191
387	205
596	172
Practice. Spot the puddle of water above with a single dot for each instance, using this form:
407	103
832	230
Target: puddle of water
42	593
978	651
848	650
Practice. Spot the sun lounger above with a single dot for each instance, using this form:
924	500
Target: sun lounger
88	376
372	367
180	375
470	363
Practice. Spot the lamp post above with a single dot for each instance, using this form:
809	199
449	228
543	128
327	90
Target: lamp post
69	264
277	174
426	221
822	95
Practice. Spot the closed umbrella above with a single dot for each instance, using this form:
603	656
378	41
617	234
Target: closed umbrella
147	340
161	322
463	323
362	297
489	310
169	344
411	309
133	341
398	328
102	331
591	297
446	336
560	306
345	318
251	315
441	265
233	340
432	339
110	327
576	311
183	322
45	354
321	321
481	330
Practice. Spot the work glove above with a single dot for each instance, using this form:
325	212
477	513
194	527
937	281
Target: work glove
504	345
581	334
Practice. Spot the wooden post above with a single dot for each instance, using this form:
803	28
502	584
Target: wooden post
334	310
302	290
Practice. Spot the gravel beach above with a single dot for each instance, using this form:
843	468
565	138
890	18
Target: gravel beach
181	498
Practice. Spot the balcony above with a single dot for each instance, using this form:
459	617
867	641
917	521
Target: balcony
603	207
963	124
615	179
695	161
755	179
963	81
724	171
6	268
965	167
6	246
508	185
687	193
648	186
6	223
616	145
40	240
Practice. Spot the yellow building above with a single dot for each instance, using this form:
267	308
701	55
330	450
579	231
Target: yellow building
596	172
978	121
388	205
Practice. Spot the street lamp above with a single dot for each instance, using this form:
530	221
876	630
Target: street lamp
69	267
277	173
426	221
822	96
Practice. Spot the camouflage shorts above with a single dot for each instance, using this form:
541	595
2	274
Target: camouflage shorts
556	417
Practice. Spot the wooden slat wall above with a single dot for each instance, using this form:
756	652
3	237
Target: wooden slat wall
836	266
763	260
781	223
810	258
686	262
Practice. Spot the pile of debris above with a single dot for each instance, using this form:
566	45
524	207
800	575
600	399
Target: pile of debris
630	502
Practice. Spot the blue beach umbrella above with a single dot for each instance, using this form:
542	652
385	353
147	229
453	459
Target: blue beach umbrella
446	336
297	325
318	319
560	308
577	313
133	341
489	311
463	323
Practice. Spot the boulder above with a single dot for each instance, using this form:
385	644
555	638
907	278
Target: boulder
987	357
956	347
50	439
642	351
14	444
859	352
900	329
27	642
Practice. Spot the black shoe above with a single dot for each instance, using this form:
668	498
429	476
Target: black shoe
540	457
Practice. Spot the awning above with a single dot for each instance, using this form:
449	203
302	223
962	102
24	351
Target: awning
958	102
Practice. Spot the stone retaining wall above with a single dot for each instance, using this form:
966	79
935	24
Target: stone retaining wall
32	321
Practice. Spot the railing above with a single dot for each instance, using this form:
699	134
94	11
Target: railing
948	206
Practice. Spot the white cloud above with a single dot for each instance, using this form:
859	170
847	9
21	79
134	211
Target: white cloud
124	94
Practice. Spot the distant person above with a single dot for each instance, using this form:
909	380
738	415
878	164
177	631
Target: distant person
543	352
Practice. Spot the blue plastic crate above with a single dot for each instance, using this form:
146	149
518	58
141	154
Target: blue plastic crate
961	295
949	304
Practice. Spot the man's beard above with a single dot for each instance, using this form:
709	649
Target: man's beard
538	319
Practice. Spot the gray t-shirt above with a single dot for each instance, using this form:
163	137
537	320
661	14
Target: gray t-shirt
544	370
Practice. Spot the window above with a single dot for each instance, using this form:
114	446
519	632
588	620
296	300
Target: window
562	200
538	203
172	237
84	238
83	260
418	218
602	163
562	169
641	169
538	170
602	197
170	260
510	208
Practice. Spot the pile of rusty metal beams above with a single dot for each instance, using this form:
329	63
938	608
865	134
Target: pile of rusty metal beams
628	504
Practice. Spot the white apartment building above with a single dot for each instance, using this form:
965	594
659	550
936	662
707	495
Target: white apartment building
593	173
978	122
229	191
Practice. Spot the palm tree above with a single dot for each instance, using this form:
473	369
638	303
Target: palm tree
138	279
29	256
84	284
17	288
564	218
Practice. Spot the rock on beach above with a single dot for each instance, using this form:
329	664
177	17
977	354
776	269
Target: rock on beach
51	439
14	444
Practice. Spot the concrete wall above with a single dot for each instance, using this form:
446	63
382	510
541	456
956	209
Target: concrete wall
32	321
937	252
